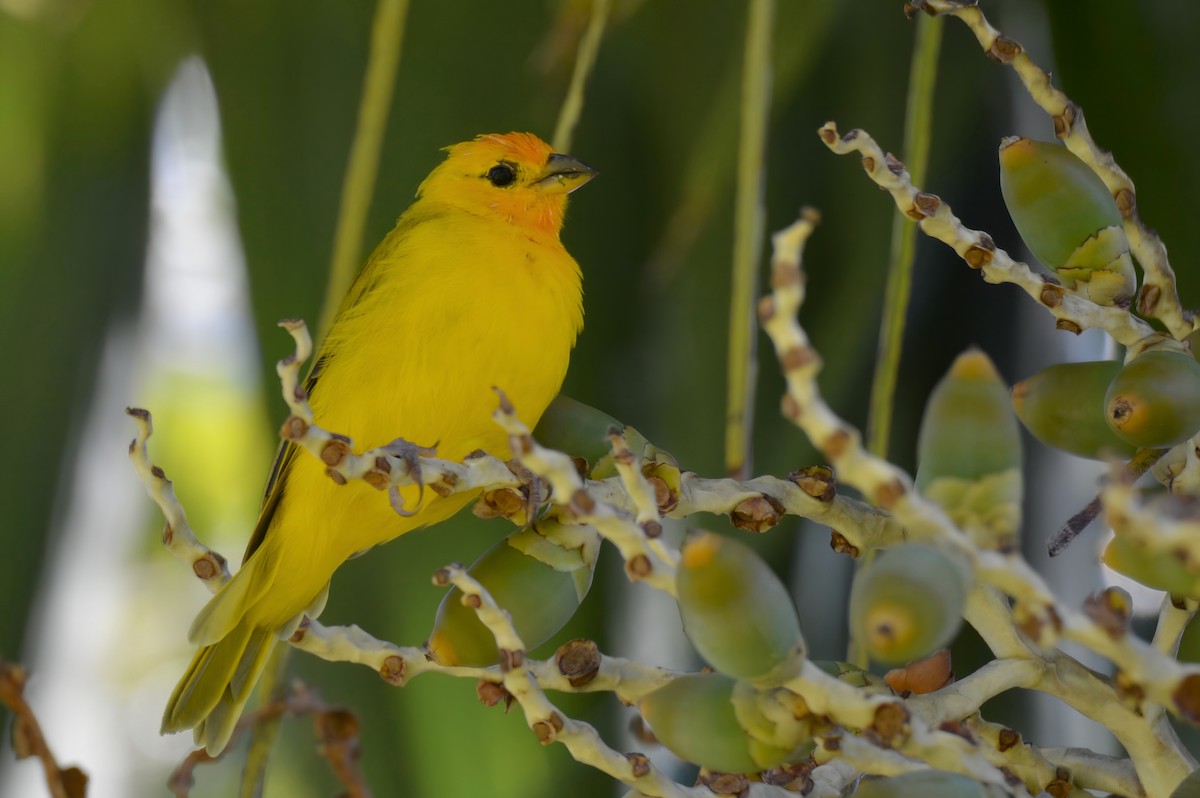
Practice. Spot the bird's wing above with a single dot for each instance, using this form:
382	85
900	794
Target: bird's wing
283	463
286	456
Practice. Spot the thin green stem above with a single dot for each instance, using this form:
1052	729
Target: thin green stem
749	223
585	58
917	136
918	126
264	735
387	33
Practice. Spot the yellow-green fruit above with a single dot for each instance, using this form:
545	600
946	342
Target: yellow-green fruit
581	430
1189	644
1067	217
969	451
1154	401
968	430
1161	570
575	428
1063	406
736	612
927	784
777	721
539	580
694	716
907	603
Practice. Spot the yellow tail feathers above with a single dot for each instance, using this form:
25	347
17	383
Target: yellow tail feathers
224	611
234	650
214	689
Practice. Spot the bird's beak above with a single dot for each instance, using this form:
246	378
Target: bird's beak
564	174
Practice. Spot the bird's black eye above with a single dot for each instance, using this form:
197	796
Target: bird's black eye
501	175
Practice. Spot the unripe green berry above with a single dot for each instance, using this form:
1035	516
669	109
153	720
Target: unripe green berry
735	610
969	452
1154	401
968	430
538	582
1067	217
1161	570
695	717
907	603
581	430
1063	406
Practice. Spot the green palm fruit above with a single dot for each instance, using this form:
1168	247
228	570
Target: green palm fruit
697	717
907	603
1161	570
736	612
1068	218
581	430
928	784
775	720
1189	645
1154	401
539	574
1063	406
969	452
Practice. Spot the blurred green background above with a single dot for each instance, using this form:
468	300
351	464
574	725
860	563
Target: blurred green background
81	84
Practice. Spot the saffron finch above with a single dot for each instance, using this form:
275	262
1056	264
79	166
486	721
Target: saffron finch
471	290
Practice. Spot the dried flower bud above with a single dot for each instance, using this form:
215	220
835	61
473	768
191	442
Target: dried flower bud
579	661
757	514
923	676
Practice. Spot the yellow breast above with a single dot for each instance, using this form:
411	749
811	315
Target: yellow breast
449	307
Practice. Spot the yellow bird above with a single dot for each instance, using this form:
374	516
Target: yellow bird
472	289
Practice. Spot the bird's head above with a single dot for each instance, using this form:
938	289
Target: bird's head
513	176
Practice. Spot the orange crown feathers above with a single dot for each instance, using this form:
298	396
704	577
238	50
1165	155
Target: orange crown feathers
521	147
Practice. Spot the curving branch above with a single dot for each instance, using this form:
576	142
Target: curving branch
28	740
1073	312
1158	297
208	566
1147	676
627	509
